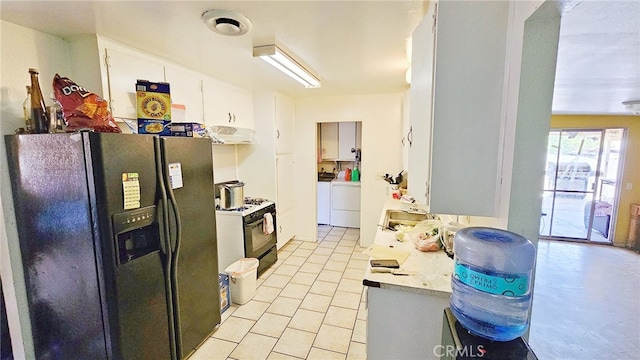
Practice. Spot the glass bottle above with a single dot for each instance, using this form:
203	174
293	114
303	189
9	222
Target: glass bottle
38	108
56	117
26	108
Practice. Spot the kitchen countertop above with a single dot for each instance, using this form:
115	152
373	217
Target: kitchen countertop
433	268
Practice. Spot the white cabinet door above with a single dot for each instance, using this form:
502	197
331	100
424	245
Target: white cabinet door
241	107
226	105
186	89
468	107
456	109
285	122
324	202
418	137
215	100
284	182
347	141
123	71
285	198
286	225
329	140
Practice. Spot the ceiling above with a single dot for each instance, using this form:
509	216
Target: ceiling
356	47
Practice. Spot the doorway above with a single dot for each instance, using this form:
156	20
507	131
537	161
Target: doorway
581	184
338	165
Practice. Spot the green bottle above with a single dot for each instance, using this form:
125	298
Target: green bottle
355	174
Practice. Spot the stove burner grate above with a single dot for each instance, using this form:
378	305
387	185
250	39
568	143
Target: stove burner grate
254	201
240	209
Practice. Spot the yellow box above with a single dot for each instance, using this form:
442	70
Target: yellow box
153	100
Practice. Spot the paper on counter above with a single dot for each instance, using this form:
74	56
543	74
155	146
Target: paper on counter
385	252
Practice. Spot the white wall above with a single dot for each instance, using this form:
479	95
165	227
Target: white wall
224	163
20	49
381	117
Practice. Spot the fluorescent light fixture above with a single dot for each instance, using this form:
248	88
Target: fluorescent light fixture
633	106
285	63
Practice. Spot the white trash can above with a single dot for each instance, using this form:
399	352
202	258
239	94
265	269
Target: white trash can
242	280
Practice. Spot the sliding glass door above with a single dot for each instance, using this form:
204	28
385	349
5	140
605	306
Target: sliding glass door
580	184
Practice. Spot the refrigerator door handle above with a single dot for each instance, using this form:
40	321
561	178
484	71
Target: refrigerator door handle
175	247
166	246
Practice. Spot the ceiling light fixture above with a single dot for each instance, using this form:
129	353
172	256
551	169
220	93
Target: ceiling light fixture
284	62
226	22
633	106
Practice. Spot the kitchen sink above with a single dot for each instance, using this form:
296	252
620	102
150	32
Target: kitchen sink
406	218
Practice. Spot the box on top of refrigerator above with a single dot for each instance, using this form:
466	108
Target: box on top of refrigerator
153	107
187	129
153	100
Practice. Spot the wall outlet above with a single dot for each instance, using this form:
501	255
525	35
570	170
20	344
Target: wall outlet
628	186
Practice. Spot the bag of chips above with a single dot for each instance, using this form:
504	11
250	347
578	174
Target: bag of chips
83	110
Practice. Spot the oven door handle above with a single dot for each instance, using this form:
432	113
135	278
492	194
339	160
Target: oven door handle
255	223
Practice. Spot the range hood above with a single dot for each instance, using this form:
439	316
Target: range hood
230	135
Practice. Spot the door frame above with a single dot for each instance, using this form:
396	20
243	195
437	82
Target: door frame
598	191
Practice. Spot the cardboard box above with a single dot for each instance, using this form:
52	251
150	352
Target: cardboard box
154	127
187	129
225	297
153	100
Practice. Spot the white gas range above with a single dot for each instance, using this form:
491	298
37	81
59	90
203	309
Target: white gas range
247	232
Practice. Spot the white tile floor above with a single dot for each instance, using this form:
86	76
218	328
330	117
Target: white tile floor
310	304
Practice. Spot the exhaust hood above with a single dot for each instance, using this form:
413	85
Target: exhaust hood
230	135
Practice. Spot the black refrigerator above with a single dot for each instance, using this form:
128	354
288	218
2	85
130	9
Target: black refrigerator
117	235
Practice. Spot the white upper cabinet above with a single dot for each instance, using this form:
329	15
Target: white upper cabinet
114	68
285	122
346	141
123	71
418	136
186	89
457	101
338	138
226	105
329	140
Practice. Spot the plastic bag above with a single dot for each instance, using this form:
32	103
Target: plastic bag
427	243
242	268
82	109
426	235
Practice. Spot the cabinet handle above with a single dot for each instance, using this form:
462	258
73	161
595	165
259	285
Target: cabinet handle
229	117
278	134
280	228
402	142
410	136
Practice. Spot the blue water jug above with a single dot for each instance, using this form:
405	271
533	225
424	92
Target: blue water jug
491	282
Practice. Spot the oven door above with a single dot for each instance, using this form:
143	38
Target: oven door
256	242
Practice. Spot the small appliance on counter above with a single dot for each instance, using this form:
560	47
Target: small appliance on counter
231	194
246	231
